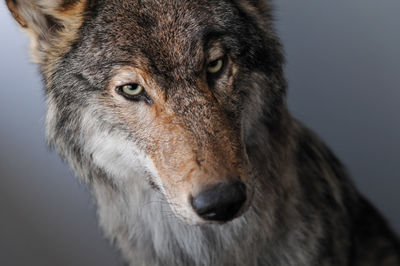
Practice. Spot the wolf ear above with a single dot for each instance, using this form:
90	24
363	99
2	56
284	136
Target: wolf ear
259	8
47	20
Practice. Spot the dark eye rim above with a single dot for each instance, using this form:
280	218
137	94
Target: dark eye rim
213	76
143	96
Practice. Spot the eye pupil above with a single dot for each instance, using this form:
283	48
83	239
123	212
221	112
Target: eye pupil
214	64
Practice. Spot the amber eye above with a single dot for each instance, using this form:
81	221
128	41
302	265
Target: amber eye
215	67
134	92
131	90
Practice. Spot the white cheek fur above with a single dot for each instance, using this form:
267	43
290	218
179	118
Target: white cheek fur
111	151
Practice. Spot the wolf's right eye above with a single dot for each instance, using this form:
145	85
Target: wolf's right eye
132	89
133	92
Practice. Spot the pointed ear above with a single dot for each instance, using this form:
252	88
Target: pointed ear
255	7
47	21
261	5
259	10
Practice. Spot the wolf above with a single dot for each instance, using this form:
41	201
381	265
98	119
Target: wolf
174	114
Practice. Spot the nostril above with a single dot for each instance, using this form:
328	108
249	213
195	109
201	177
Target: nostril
221	202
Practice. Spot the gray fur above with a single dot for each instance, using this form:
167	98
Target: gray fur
303	211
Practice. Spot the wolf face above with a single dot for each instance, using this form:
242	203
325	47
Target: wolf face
179	105
165	91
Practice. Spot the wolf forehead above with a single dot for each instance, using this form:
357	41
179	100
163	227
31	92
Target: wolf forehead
169	38
168	35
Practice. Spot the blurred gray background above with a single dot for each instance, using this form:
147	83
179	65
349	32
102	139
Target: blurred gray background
343	68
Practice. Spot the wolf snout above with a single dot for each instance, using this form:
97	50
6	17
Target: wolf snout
221	202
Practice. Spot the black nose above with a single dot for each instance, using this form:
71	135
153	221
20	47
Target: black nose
221	202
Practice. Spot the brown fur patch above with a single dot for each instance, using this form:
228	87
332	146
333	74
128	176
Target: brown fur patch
52	27
72	17
195	159
12	5
69	4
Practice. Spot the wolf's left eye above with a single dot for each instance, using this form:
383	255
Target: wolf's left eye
215	67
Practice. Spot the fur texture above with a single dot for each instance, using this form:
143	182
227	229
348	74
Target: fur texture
144	158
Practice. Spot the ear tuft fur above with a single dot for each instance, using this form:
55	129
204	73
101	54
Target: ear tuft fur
47	20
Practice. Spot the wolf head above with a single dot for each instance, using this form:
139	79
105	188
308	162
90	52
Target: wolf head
183	97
